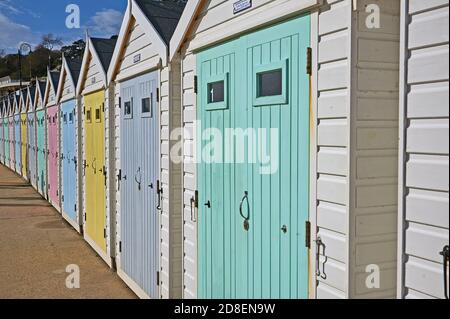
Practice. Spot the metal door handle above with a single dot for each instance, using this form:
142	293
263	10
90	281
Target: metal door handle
140	178
159	191
208	204
194	206
242	203
320	273
445	256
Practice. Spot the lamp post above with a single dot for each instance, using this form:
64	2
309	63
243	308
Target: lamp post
24	49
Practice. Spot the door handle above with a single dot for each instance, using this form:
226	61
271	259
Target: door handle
194	206
320	273
140	178
246	218
445	256
208	204
159	191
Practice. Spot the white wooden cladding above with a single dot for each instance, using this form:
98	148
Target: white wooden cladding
424	188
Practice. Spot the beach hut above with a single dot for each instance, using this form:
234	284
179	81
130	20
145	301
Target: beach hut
41	138
423	246
23	133
146	108
2	132
31	135
17	133
69	141
12	148
299	200
53	153
98	222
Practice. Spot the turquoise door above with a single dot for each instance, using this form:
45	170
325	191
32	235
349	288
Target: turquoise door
41	153
253	102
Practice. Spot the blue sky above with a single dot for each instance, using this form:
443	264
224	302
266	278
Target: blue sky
28	20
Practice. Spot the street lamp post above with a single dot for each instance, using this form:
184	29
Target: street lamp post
24	49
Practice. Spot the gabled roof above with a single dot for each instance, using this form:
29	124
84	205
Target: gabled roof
23	99
40	89
101	50
164	15
31	94
70	68
105	50
51	84
159	20
16	102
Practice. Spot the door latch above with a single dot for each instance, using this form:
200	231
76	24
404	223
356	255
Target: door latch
445	256
320	273
194	206
159	191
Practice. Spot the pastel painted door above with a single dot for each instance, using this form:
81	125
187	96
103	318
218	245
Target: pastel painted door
140	170
17	146
253	184
95	175
12	148
31	131
24	145
41	152
2	139
7	144
69	158
53	155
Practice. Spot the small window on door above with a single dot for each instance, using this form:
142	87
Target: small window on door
271	84
128	109
217	92
65	118
97	115
71	117
147	106
89	116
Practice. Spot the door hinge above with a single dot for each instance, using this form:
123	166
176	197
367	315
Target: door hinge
84	110
62	198
195	84
308	234
75	207
103	107
157	278
120	246
309	61
104	232
85	216
157	95
120	102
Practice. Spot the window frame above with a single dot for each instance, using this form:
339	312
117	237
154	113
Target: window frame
223	105
150	113
273	99
125	115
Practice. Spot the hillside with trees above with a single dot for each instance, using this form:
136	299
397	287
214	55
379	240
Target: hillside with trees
45	54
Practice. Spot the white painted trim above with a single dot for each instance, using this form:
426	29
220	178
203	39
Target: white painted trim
266	15
98	250
352	50
133	10
64	70
182	28
313	154
401	153
90	50
47	90
132	284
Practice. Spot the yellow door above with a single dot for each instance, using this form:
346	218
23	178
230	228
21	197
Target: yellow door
23	118
94	172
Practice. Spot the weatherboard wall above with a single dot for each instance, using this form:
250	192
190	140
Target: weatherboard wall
424	156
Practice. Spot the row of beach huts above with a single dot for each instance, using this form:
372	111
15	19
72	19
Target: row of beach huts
352	199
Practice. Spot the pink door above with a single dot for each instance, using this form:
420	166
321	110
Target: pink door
53	155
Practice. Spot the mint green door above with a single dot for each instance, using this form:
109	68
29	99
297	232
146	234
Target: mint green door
253	103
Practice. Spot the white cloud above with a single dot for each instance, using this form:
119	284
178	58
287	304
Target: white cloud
105	23
13	34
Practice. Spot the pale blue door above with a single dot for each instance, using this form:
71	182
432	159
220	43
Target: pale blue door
139	184
69	159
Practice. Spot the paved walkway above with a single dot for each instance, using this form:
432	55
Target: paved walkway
36	245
